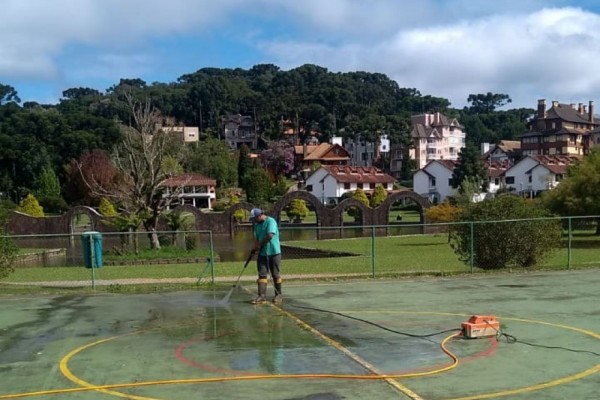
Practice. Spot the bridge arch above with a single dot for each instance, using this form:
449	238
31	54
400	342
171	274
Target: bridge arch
279	206
383	211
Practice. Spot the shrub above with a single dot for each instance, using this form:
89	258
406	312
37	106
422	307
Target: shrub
31	206
501	244
297	210
8	254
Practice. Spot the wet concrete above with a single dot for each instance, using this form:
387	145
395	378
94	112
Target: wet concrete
194	335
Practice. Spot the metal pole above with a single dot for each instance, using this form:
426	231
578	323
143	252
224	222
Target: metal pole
472	246
373	251
570	240
212	252
93	256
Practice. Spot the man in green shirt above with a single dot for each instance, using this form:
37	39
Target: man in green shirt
266	244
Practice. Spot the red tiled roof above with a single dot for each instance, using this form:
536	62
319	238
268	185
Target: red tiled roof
348	174
189	179
557	164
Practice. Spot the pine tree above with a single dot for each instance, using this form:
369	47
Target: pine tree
470	166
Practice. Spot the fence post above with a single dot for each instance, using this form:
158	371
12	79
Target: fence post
212	257
373	251
569	242
472	245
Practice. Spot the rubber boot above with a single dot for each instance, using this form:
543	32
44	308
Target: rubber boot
278	299
262	291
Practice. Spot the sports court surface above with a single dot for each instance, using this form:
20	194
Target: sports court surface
358	339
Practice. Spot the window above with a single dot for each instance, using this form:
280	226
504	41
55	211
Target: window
347	186
529	179
371	186
309	188
432	182
450	182
359	185
510	180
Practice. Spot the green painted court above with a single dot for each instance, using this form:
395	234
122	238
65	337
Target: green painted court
357	339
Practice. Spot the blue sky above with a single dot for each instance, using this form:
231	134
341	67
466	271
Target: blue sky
528	49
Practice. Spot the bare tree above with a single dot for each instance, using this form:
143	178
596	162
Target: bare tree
139	160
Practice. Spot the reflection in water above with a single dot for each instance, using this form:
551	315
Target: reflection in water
226	247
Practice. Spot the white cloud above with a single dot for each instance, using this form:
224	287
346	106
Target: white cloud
446	48
552	52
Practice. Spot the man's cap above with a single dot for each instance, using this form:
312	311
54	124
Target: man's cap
255	212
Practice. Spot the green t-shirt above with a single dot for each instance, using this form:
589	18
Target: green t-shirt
261	230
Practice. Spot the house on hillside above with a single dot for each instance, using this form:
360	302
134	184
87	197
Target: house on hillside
505	150
330	182
563	129
240	130
535	174
308	157
191	188
185	134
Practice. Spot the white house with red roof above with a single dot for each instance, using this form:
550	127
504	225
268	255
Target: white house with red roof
330	182
534	174
191	188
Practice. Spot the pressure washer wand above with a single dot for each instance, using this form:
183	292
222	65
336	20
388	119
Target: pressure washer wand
244	267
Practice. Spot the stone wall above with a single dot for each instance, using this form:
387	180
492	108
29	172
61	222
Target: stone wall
22	224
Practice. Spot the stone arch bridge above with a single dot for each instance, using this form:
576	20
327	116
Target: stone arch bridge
225	222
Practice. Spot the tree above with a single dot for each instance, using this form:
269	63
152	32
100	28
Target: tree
106	208
8	94
470	166
91	170
139	163
359	195
245	164
468	189
258	186
579	192
378	197
31	206
499	244
212	157
487	103
297	210
48	192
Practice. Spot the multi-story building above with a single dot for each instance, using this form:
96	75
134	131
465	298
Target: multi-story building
435	137
240	130
191	188
563	129
186	134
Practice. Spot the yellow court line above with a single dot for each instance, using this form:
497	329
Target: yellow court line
64	368
525	389
350	354
104	388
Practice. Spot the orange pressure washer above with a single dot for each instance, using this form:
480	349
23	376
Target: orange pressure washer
481	326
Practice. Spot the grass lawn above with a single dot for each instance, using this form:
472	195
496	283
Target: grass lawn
416	254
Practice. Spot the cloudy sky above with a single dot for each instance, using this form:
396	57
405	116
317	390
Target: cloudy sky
528	49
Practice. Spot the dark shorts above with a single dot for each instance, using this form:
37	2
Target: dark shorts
266	264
